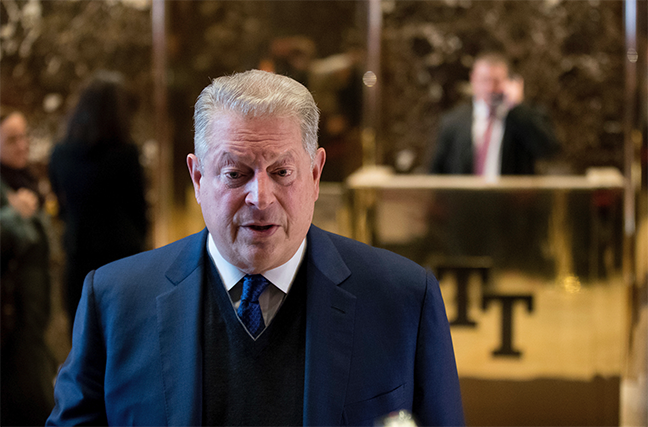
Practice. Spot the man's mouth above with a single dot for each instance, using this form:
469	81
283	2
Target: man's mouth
260	227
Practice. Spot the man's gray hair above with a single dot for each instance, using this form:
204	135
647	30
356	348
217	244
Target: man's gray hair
255	93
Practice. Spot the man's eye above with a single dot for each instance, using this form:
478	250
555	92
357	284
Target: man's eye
283	173
233	174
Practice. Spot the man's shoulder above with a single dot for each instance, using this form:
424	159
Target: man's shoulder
368	272
141	277
458	113
358	255
154	259
525	111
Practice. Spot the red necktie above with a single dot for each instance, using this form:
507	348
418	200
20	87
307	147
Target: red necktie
482	151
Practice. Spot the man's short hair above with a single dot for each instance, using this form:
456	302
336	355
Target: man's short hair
256	93
493	58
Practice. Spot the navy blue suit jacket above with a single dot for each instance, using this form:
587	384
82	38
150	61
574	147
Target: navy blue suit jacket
377	340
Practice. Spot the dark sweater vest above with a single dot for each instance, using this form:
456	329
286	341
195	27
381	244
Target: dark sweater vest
248	382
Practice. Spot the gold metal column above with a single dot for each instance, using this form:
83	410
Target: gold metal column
634	388
162	184
630	122
371	90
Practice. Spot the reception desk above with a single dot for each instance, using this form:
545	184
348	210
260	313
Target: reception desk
530	270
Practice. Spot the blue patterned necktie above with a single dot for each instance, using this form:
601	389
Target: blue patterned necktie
249	310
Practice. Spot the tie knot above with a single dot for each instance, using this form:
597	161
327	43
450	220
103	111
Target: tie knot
253	286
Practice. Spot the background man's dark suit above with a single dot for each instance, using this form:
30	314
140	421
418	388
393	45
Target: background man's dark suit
528	136
376	338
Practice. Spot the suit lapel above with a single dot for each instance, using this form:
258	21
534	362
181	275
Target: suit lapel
330	318
179	314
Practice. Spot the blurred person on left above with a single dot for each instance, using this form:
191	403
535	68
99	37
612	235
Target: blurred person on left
28	367
99	182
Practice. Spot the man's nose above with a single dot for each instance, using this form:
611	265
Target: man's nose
260	193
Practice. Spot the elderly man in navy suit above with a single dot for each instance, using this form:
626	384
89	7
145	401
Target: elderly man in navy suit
261	318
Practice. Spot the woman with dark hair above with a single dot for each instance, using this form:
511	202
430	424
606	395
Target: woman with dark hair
28	367
98	180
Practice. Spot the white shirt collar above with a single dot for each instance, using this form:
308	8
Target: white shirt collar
482	110
281	277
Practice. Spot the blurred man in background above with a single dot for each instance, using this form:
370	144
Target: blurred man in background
495	134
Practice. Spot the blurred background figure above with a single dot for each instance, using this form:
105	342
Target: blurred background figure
496	134
97	177
28	368
336	83
290	56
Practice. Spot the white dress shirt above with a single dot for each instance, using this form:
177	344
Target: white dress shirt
493	166
281	279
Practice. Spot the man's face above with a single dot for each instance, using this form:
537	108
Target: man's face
14	145
257	189
487	80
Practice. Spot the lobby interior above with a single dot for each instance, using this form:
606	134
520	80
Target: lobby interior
545	277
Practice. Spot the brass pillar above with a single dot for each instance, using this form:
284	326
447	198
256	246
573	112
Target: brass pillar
371	89
634	389
162	184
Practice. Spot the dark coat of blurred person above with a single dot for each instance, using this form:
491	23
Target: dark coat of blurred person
28	367
97	177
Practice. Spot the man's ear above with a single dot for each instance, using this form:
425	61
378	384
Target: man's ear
318	166
195	173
